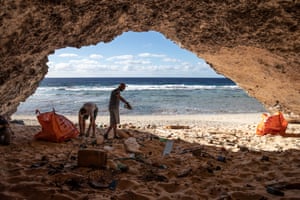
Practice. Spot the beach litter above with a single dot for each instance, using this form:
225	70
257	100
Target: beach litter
55	127
274	191
131	145
177	127
272	124
221	159
92	158
276	188
168	147
184	173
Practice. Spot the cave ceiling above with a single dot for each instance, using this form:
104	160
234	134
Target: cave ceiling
254	43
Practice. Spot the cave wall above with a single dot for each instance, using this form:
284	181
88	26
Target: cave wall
255	43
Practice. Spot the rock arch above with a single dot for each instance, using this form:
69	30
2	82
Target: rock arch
254	43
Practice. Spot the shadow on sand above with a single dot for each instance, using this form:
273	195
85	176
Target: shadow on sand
43	170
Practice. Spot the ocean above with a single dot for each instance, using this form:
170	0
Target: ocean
148	96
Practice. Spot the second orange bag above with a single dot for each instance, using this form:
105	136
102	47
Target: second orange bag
272	124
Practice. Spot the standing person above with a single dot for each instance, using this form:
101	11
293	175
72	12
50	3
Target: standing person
114	104
88	110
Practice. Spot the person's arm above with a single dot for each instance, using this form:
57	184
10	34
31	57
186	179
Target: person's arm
128	106
122	99
118	94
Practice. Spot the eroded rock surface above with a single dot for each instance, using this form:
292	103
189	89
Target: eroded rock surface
254	43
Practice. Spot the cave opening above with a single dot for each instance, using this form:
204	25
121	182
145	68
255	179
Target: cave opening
162	78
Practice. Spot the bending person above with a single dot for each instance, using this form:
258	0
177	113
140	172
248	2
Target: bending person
88	110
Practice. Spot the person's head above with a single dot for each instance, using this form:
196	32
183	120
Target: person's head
122	86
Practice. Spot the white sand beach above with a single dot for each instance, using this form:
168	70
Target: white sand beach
212	157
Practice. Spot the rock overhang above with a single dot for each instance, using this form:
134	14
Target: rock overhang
254	43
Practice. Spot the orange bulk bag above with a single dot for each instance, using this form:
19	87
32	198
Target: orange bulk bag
272	124
55	127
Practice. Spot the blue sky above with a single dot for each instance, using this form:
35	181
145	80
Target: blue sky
132	54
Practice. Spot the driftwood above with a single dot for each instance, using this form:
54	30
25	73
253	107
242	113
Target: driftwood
177	127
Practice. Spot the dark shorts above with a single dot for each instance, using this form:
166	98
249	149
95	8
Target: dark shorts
114	116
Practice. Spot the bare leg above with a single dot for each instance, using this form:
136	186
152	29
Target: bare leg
94	128
114	127
94	121
107	131
89	129
115	130
83	127
81	130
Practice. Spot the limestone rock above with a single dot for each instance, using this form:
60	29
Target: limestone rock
254	43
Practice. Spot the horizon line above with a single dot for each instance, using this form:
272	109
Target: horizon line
138	77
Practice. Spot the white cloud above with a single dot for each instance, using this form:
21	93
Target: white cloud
96	65
84	62
96	56
151	55
124	64
133	62
62	66
170	59
68	55
89	66
121	57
